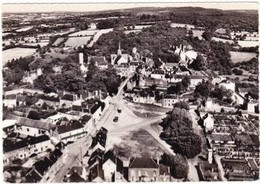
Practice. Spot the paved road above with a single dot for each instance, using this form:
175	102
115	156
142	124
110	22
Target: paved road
74	151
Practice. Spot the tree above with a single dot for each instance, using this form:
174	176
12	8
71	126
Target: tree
178	165
182	105
186	81
207	35
203	89
198	63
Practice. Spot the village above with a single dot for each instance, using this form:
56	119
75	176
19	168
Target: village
71	133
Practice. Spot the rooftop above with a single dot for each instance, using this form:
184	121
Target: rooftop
143	162
34	123
72	125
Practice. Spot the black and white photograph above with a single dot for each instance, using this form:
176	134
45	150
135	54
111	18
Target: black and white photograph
130	92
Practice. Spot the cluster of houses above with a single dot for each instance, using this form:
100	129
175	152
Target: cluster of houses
102	165
234	140
34	129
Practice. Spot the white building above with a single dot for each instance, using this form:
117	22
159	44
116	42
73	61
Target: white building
34	128
228	85
158	74
209	123
70	131
21	149
168	101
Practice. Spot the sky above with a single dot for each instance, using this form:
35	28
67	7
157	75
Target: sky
21	8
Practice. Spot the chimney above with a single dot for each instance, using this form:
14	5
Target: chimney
210	154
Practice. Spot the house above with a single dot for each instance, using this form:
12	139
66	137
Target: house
143	169
100	61
13	100
209	123
169	100
54	119
243	91
32	127
99	141
77	174
133	66
22	148
253	106
158	74
67	100
86	120
144	96
96	173
95	111
10	101
51	101
8	126
27	91
237	98
70	131
112	167
123	69
228	85
96	157
30	76
169	67
195	80
208	172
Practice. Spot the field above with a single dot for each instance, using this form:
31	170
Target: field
84	33
15	53
24	29
58	41
43	43
248	43
241	56
77	41
197	33
222	40
137	143
189	26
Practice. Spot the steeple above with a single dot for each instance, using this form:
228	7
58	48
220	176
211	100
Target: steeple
119	52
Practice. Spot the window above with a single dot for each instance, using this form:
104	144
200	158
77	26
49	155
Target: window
28	130
35	150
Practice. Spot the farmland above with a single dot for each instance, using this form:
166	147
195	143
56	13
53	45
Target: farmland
77	41
84	33
241	56
8	55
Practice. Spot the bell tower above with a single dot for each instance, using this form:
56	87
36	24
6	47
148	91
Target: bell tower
119	52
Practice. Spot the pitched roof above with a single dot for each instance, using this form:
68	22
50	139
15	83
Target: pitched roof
98	59
72	125
96	156
34	123
94	108
10	97
33	177
75	177
109	155
143	162
49	98
95	172
68	97
10	145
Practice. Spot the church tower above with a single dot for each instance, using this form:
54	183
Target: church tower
119	52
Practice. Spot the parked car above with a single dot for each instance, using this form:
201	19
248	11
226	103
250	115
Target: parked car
115	119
